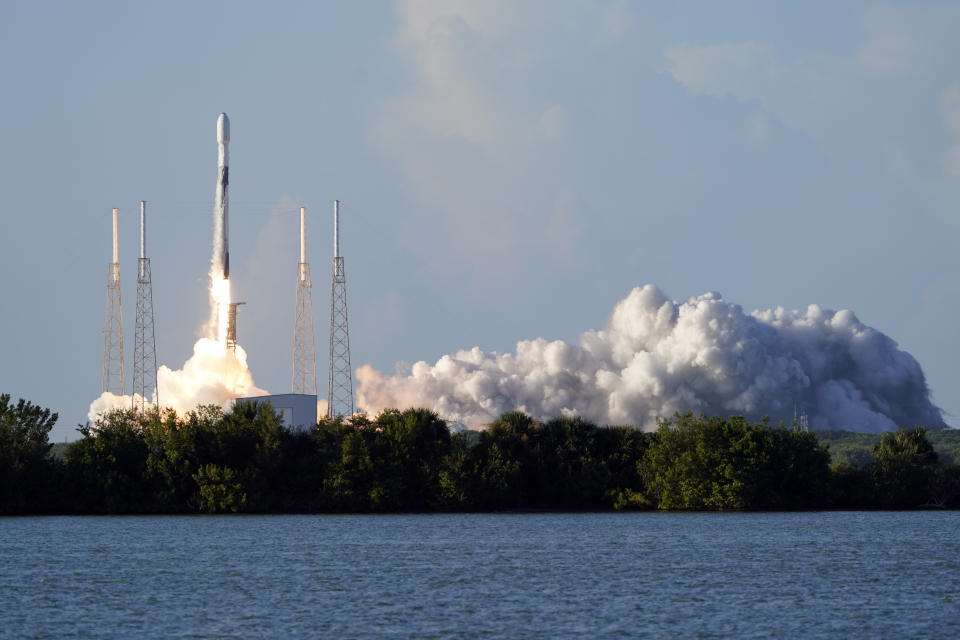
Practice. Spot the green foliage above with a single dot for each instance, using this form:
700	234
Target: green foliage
221	489
501	466
244	460
349	484
946	442
392	463
727	463
416	443
107	468
566	463
852	455
454	474
904	470
26	469
856	449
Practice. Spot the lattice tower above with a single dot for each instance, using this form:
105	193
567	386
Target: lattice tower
113	375
340	376
231	332
801	421
304	347
144	339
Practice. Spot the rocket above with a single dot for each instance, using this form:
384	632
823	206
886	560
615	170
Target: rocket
221	206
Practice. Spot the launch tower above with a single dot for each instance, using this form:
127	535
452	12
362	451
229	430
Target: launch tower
231	334
304	349
113	376
144	338
340	377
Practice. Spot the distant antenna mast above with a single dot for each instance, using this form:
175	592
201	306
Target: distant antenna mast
144	339
340	378
304	347
801	422
113	376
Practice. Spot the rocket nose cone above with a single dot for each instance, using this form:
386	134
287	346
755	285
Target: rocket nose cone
223	129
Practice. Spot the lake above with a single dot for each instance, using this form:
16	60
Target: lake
645	575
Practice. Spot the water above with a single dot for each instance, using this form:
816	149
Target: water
795	575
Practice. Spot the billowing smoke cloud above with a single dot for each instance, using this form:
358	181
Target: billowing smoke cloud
212	375
656	357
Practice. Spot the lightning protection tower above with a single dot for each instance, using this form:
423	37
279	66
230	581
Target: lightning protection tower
144	340
304	347
113	377
340	377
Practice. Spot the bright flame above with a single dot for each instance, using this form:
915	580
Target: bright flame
219	309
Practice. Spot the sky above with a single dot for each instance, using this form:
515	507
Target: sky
507	170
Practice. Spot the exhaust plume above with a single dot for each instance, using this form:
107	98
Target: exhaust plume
214	374
656	357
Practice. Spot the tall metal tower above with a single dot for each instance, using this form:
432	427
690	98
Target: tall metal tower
340	378
801	421
113	376
304	348
231	333
144	339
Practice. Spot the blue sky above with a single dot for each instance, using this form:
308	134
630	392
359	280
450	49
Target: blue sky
507	170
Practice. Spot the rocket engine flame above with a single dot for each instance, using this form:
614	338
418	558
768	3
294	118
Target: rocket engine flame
656	357
219	309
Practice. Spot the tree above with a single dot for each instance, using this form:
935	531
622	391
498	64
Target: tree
622	449
727	463
178	447
904	469
221	489
502	473
106	469
26	470
349	484
455	474
416	441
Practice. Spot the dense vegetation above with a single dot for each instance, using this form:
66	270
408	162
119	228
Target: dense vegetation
856	449
209	461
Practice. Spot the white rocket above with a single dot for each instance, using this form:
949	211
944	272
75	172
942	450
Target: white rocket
221	205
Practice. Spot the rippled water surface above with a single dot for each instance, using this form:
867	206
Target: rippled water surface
797	575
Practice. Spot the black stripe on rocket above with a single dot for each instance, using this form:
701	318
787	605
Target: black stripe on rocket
224	181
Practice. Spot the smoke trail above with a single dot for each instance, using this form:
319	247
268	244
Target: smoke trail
656	357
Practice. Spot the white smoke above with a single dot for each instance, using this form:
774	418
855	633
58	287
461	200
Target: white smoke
212	375
656	357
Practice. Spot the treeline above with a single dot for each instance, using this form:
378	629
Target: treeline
244	460
856	449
